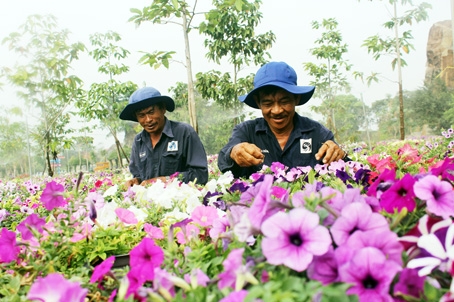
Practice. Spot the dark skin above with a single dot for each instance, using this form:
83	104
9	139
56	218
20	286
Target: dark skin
278	110
152	120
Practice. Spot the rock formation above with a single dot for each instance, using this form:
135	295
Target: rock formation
440	60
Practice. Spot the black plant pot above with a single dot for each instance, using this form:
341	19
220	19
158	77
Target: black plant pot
121	261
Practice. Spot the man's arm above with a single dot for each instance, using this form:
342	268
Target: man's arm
196	160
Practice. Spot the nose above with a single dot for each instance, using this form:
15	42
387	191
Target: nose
276	108
148	117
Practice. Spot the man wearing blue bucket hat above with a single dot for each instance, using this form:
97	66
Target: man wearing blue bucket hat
164	147
281	135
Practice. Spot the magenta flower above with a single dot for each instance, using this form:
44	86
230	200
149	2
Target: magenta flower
383	182
370	274
262	208
102	269
437	193
400	195
324	268
294	238
235	274
204	215
409	283
55	288
153	232
8	247
144	258
238	296
356	216
52	196
126	216
32	221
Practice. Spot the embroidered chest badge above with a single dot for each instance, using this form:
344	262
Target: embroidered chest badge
305	146
172	146
142	154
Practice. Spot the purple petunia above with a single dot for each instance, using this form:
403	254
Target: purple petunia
293	238
370	274
52	196
32	221
8	247
400	195
102	269
437	193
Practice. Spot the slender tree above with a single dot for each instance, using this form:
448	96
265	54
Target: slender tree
42	75
397	44
231	33
177	12
329	71
105	100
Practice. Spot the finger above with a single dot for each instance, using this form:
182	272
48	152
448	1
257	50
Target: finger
321	152
331	155
246	155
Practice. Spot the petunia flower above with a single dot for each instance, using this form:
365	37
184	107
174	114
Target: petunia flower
32	221
235	274
400	195
370	274
409	284
408	154
382	183
438	194
356	216
55	288
261	207
235	296
197	278
204	215
102	269
144	258
153	232
52	196
126	216
438	251
293	238
8	247
324	268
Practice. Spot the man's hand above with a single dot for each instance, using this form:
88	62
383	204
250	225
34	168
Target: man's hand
246	155
131	182
330	151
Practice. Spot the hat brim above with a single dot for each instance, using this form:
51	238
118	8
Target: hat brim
129	113
306	93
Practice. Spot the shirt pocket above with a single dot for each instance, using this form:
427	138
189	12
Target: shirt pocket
170	163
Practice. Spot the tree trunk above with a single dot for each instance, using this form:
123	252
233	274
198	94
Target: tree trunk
191	93
399	75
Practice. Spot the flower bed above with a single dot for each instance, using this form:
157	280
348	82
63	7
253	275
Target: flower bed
378	228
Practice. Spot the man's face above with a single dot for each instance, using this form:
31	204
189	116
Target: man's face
152	119
278	109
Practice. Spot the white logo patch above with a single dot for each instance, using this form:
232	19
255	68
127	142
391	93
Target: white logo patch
305	146
172	146
142	154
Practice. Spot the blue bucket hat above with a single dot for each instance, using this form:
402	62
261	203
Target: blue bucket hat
143	98
278	74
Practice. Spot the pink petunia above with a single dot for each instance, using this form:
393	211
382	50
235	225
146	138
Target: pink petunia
293	238
437	193
370	274
32	221
126	216
153	232
236	296
235	274
52	196
102	269
204	215
54	287
356	216
8	247
262	207
197	278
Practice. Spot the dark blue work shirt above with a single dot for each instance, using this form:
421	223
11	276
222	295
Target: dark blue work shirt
305	139
178	150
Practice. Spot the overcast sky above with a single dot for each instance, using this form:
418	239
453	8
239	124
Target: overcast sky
290	20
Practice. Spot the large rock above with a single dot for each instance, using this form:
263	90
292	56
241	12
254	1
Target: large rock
440	59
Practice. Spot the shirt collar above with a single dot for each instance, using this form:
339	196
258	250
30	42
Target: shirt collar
167	131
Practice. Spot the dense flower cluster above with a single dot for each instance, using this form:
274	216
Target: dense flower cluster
378	228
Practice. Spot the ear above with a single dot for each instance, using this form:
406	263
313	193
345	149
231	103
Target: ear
256	99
